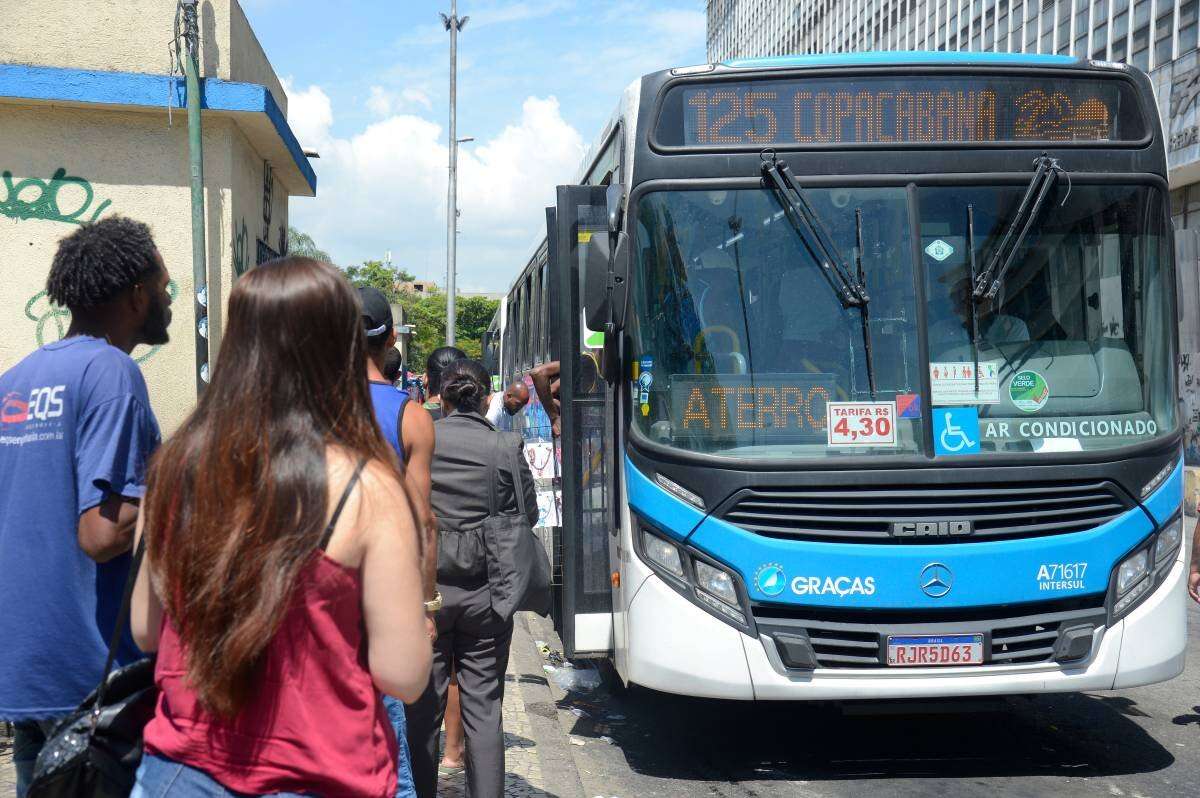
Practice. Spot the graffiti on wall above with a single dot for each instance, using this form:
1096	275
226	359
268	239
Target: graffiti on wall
52	321
1189	391
240	262
34	198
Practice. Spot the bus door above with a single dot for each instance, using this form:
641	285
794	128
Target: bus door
589	516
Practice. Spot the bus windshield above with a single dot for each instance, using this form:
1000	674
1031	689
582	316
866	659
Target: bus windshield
743	347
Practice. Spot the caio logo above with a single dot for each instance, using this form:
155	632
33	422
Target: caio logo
931	529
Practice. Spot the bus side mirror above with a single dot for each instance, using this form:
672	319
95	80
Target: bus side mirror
605	281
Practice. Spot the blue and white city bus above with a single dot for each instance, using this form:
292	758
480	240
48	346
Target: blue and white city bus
868	383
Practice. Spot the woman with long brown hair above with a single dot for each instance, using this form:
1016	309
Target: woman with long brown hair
282	589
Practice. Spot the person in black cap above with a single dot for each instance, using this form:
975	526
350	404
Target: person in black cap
409	429
393	363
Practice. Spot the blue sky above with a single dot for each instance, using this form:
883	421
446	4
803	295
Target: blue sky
368	88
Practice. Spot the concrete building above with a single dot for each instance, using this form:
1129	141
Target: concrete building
93	123
1146	33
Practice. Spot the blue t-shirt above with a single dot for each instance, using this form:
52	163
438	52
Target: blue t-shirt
389	402
75	427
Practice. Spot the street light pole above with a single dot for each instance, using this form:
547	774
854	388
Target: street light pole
454	25
189	53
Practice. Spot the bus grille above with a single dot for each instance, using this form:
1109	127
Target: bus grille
866	514
1023	639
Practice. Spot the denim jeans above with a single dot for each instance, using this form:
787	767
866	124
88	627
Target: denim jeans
404	783
28	738
159	777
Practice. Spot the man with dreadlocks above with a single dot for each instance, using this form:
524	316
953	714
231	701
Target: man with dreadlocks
76	431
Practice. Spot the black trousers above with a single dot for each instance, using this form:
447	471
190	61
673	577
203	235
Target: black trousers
475	642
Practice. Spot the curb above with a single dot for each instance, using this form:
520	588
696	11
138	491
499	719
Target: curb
559	771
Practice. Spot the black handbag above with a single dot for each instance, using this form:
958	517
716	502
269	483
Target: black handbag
517	563
95	751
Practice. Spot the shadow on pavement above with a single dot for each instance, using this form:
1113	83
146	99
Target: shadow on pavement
672	737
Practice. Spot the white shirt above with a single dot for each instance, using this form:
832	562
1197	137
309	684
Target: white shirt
495	409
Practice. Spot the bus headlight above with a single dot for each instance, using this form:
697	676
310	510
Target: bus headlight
1139	574
661	553
1168	540
695	576
716	583
1132	569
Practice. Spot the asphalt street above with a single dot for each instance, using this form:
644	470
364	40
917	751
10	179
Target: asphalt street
1141	743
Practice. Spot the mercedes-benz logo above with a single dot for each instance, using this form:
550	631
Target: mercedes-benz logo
936	580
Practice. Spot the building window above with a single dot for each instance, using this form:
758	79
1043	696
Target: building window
1120	29
1141	59
1187	26
1162	46
1141	13
1141	39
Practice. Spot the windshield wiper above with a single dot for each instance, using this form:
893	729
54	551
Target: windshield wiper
833	265
862	286
1045	176
971	296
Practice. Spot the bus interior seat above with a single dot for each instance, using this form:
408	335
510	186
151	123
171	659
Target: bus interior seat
720	309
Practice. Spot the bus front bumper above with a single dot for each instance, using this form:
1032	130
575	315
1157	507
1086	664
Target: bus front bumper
676	647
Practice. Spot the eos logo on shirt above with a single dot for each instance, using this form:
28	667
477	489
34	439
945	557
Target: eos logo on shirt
43	405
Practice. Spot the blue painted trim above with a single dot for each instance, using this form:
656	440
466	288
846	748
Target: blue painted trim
673	516
904	57
1165	502
54	84
985	574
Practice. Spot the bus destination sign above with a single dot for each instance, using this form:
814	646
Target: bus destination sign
778	407
915	110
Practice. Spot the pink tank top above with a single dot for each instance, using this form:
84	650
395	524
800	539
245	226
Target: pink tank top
315	723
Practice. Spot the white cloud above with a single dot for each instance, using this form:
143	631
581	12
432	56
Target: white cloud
384	186
310	114
383	102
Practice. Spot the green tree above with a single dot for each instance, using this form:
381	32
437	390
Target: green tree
426	313
299	243
472	317
374	274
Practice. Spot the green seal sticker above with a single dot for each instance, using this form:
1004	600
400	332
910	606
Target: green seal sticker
1028	391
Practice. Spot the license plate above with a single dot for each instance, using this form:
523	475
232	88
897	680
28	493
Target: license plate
923	651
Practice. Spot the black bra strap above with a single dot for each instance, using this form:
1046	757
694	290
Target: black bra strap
342	503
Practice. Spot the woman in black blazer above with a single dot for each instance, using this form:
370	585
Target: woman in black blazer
473	640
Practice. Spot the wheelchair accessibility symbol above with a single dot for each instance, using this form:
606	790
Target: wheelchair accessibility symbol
956	430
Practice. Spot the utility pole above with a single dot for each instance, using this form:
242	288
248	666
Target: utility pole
454	25
191	69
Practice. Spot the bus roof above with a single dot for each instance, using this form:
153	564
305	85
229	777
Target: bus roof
904	57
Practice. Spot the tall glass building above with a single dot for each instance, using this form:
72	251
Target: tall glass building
1146	33
1158	36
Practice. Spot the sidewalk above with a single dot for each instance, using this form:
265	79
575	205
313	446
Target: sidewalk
526	747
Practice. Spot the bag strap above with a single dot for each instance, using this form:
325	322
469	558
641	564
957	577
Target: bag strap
515	471
493	510
135	565
341	504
